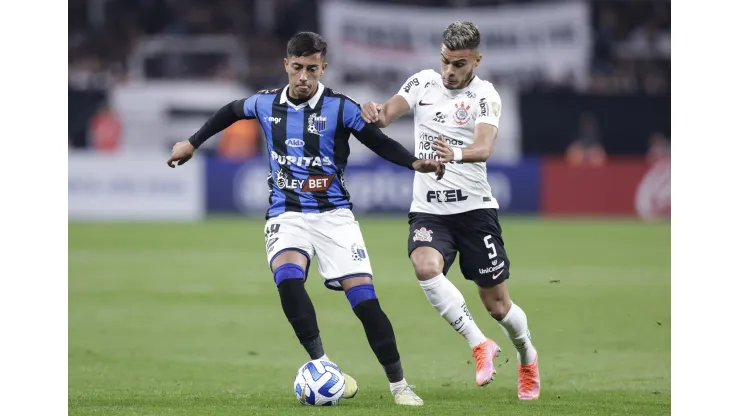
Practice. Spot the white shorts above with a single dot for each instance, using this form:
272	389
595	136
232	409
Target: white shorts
334	237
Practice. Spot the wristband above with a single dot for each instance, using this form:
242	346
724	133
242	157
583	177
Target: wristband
456	154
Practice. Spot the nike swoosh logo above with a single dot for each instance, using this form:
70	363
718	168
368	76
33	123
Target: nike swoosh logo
495	276
423	103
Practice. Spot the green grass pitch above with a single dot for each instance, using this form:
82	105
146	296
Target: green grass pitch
184	319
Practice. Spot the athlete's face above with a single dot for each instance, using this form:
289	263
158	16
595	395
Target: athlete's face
304	73
458	67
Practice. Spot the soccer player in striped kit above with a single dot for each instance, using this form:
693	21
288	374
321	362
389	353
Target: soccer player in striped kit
307	128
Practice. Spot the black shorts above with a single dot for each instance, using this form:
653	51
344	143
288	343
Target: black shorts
476	235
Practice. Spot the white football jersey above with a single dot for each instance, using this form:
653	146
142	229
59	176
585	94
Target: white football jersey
452	114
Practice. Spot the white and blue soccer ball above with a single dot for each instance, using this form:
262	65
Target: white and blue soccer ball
319	383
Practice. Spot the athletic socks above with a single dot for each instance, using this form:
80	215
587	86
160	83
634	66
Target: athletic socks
449	302
514	325
378	329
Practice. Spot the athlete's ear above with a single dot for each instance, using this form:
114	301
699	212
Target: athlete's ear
477	60
323	66
286	64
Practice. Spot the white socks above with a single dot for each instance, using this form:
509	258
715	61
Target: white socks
397	385
514	325
449	302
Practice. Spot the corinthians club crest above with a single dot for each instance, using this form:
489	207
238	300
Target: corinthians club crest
461	114
316	124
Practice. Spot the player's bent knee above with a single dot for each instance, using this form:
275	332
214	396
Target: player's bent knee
288	271
360	293
348	283
498	309
428	263
427	267
289	256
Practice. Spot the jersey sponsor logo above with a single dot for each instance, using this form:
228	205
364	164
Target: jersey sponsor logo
313	183
316	124
316	183
421	102
449	195
414	82
461	115
483	108
470	94
422	234
439	117
274	120
359	253
301	161
492	269
426	137
295	142
428	155
282	181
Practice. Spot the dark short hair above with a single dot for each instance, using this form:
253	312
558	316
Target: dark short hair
306	44
461	35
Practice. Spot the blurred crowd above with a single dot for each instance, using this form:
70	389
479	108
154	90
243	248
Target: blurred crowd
631	48
630	55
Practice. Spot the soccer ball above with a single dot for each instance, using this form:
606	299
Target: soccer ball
319	383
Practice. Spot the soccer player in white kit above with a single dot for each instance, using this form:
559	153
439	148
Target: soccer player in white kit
456	117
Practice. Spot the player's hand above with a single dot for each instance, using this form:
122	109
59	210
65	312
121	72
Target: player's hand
181	153
371	112
443	149
429	166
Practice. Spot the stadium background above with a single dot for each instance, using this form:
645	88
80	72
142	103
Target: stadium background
172	308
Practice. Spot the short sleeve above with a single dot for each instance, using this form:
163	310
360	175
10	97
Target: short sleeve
352	116
488	107
411	88
250	107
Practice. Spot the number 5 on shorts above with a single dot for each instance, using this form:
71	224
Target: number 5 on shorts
489	244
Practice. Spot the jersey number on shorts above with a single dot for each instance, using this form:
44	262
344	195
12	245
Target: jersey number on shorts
489	244
271	230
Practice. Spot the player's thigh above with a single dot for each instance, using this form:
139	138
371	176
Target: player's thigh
483	258
430	241
287	241
340	247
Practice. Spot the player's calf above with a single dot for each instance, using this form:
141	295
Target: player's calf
513	321
298	307
380	336
444	295
378	328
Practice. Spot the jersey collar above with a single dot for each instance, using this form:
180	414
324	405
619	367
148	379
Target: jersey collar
311	103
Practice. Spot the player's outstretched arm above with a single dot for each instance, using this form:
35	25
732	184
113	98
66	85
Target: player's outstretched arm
392	151
484	137
385	114
223	118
